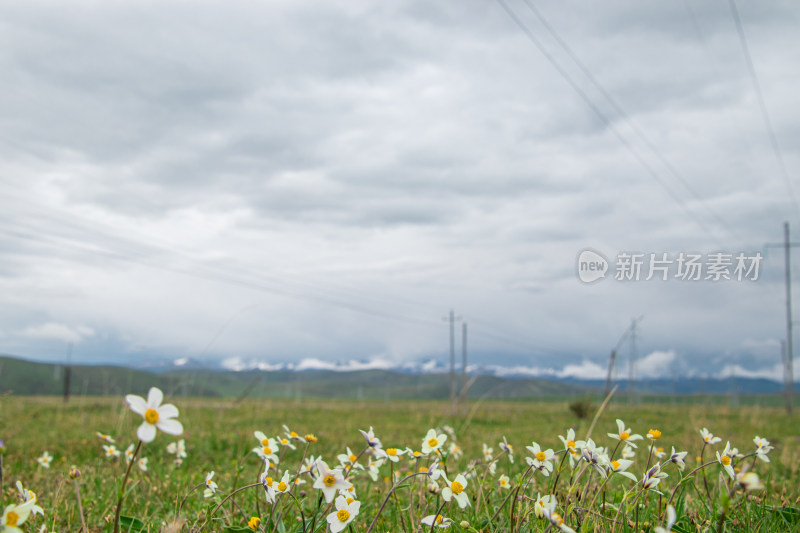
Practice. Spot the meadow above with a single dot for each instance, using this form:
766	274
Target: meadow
587	486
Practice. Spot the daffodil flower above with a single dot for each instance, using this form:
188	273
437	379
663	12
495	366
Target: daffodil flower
268	447
762	448
393	454
726	459
177	448
455	490
708	437
506	447
111	451
456	452
348	458
284	484
142	464
372	440
15	515
344	514
329	481
437	520
211	486
620	466
624	434
544	502
105	438
749	481
155	415
129	453
504	482
432	441
653	477
679	458
541	460
29	496
556	520
45	459
292	435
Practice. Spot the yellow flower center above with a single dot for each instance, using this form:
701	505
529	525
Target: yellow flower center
350	500
614	464
659	450
352	458
624	435
432	442
555	517
725	460
11	519
310	437
502	482
439	518
456	487
571	443
329	480
654	434
417	454
708	438
268	482
423	469
267	450
284	441
293	434
253	522
151	416
265	442
391	451
342	515
541	456
282	486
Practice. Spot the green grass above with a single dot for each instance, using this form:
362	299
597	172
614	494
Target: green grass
219	437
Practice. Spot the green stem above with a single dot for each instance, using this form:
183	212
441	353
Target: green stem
121	495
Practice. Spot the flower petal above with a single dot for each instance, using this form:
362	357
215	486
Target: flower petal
170	425
168	411
154	397
146	432
137	404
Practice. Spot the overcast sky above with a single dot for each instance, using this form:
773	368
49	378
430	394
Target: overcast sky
273	182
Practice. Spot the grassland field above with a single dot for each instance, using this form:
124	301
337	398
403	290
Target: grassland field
218	435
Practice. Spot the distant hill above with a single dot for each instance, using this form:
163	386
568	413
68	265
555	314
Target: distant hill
29	378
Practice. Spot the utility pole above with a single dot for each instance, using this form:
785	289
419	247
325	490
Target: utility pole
612	360
788	370
463	357
787	353
67	370
632	364
452	319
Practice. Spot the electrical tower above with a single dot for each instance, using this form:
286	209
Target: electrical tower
613	358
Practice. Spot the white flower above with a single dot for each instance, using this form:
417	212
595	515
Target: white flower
504	482
29	496
556	520
506	447
111	451
749	481
624	434
762	448
142	464
105	438
544	502
348	458
268	447
15	515
372	440
344	514
292	435
393	454
155	415
487	452
708	437
129	453
455	489
329	481
620	467
283	485
670	521
679	458
653	477
541	460
432	441
441	521
725	460
177	448
211	486
45	459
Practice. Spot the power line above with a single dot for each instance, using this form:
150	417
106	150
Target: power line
618	108
603	118
762	105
